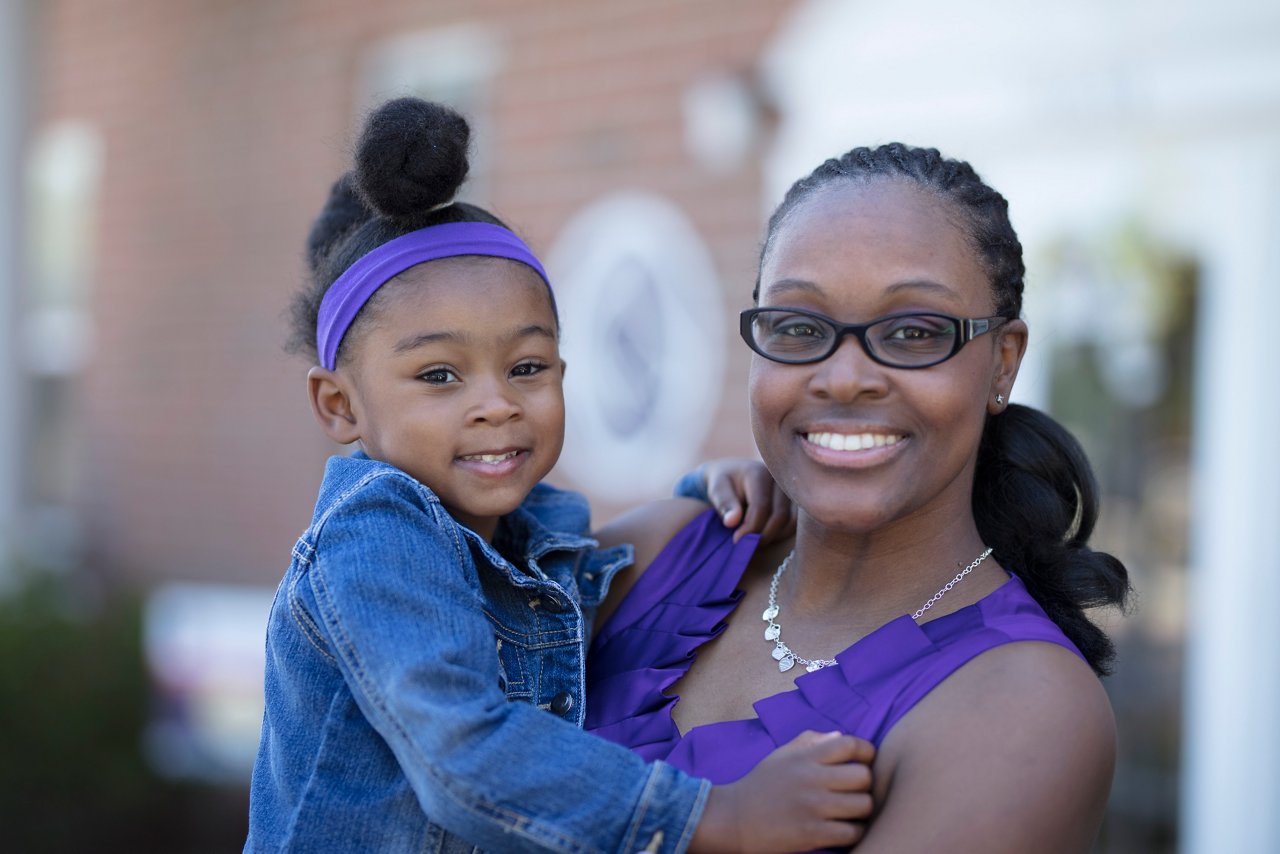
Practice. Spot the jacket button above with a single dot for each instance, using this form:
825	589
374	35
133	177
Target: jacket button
562	703
553	604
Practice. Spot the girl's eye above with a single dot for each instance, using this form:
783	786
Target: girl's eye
438	376
528	369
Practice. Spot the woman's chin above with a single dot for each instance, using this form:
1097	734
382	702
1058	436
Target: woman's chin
846	517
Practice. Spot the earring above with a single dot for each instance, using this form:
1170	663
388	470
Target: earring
999	400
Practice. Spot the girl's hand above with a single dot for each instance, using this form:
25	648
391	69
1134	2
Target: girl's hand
813	792
746	498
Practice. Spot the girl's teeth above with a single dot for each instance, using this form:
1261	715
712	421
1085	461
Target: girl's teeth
854	442
491	458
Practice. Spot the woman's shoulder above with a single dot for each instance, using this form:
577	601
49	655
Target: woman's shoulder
1018	744
650	526
1031	691
1027	675
649	529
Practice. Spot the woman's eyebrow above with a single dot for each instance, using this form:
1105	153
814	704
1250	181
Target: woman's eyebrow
782	286
921	285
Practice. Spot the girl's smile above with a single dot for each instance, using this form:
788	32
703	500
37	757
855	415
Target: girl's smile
494	464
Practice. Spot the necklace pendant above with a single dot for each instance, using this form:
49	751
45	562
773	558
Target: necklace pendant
773	632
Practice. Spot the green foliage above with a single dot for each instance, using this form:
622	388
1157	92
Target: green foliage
74	701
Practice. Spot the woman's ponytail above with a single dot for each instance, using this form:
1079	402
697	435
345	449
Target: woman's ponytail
1035	501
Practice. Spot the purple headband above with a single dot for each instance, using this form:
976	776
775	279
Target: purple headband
346	296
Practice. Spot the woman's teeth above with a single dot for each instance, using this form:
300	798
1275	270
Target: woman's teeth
492	459
855	442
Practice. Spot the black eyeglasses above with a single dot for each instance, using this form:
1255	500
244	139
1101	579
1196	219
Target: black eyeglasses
918	340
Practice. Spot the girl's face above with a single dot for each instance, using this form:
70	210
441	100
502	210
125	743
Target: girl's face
856	252
458	381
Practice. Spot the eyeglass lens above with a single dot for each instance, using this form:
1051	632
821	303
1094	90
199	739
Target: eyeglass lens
907	340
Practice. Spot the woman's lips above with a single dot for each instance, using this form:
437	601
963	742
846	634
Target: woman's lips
852	450
853	441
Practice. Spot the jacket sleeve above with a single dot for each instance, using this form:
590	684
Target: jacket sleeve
389	593
692	485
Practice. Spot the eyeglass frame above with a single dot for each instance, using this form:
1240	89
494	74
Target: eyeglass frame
968	328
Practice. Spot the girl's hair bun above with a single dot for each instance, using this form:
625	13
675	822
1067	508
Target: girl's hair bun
411	157
343	211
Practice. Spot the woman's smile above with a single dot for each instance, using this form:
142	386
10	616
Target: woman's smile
852	448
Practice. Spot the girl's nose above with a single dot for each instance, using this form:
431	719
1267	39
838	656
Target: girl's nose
495	402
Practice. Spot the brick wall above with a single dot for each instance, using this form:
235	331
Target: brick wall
224	122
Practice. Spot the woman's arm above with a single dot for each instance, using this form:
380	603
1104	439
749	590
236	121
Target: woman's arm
743	494
648	528
1012	753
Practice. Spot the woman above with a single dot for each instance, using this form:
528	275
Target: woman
933	598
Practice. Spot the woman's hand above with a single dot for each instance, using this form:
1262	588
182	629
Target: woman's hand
747	498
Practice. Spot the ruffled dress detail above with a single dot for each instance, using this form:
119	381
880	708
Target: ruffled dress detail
682	602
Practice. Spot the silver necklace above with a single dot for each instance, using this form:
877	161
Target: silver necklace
787	658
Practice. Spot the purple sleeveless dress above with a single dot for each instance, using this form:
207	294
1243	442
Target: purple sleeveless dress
681	602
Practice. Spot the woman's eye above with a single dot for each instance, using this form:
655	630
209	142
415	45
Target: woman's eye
528	369
438	376
920	332
799	329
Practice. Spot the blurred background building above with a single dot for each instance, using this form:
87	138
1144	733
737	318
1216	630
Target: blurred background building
159	166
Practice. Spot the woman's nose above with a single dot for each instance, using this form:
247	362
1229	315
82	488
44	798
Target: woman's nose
849	373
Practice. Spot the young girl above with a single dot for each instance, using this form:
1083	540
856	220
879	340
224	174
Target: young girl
425	650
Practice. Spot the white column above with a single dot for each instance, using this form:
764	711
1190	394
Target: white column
1231	737
14	23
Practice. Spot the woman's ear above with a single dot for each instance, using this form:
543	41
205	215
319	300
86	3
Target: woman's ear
333	405
1011	344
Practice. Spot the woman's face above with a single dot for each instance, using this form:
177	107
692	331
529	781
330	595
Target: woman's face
858	445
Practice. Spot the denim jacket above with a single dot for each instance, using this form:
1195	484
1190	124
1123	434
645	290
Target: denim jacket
422	689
